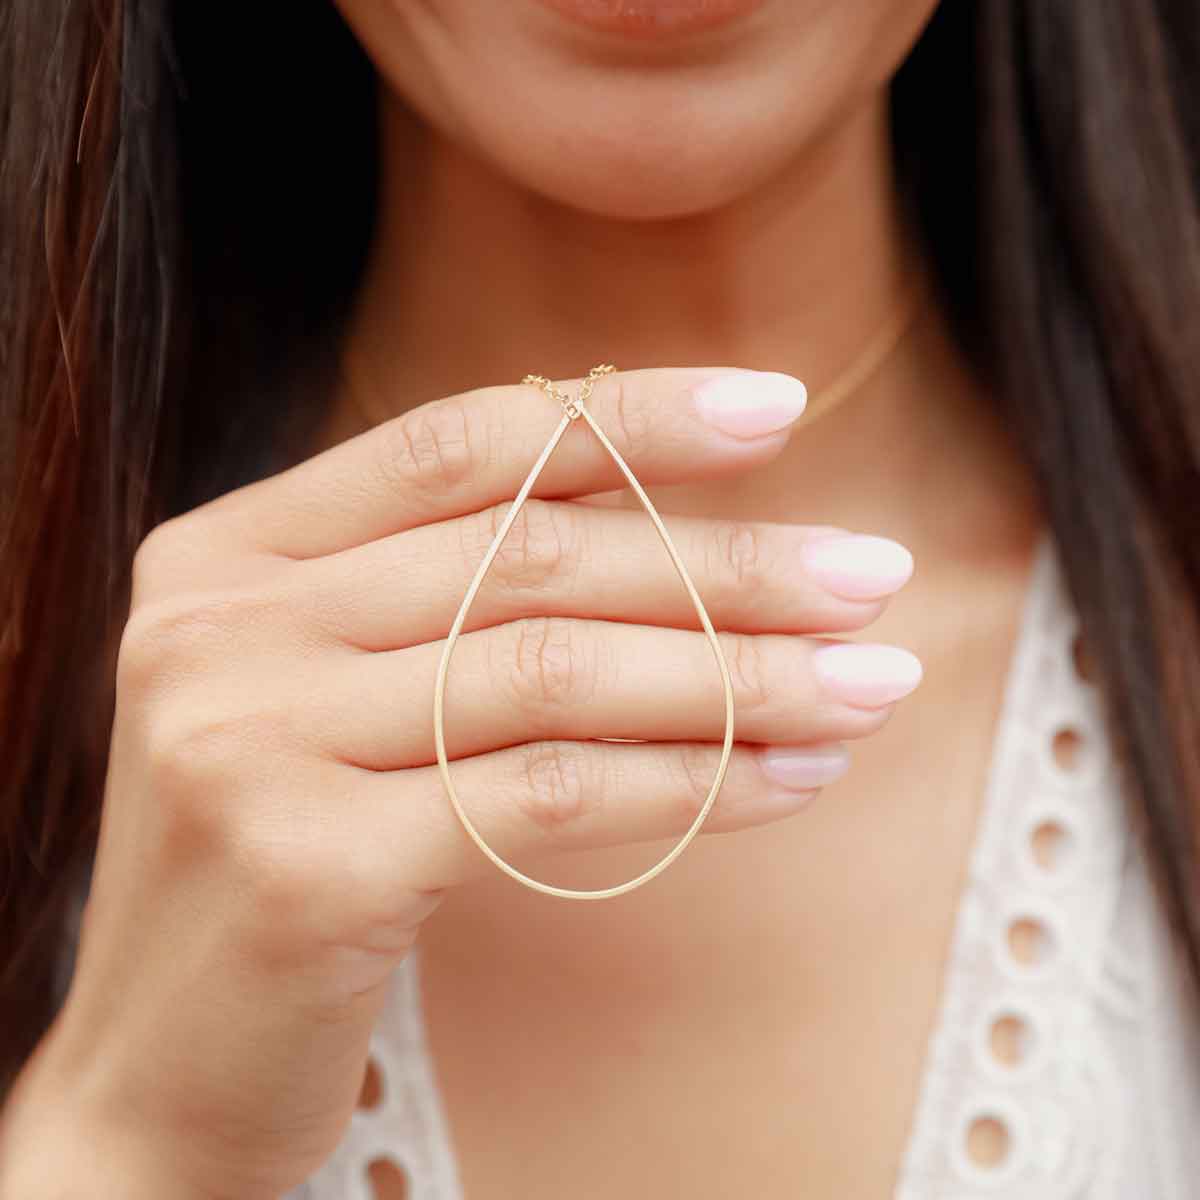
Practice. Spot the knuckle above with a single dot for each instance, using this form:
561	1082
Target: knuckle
476	532
138	652
631	416
190	630
537	547
746	656
155	639
189	755
208	776
158	556
552	665
738	554
191	765
429	446
558	784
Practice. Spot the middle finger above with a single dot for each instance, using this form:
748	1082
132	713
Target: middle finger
577	560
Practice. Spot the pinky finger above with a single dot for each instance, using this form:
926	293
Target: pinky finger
558	796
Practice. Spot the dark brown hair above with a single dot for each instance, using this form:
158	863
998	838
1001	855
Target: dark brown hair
186	199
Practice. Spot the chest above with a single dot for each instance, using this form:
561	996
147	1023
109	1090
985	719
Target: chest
759	1024
948	978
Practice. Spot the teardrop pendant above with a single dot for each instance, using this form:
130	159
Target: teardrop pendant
572	411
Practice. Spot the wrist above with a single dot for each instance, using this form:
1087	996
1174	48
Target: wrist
54	1146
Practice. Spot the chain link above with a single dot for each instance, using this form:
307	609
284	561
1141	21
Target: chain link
571	407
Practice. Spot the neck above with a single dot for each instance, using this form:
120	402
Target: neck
474	280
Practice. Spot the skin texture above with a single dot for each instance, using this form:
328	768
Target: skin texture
552	198
274	835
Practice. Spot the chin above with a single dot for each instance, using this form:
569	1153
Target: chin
648	110
632	163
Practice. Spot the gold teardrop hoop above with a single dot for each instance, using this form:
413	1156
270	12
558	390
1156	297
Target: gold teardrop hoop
572	410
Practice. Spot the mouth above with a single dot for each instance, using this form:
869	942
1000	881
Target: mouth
652	18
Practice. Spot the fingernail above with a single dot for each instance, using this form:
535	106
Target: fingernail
799	768
857	566
750	404
866	674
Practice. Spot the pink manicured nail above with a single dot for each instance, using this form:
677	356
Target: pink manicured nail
866	674
799	768
857	566
750	404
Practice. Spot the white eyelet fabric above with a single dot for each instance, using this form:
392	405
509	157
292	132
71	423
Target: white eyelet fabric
1064	1063
1063	1033
407	1126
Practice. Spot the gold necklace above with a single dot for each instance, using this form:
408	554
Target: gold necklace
574	408
869	359
882	343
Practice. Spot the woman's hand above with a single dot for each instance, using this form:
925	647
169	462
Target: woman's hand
275	829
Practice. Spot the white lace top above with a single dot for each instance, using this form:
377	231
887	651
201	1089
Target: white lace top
1064	1064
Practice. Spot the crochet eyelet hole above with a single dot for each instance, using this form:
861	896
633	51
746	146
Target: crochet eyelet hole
388	1180
1010	1040
1082	660
1030	941
1051	844
988	1141
371	1093
1068	746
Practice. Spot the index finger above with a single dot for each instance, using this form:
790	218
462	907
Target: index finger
453	456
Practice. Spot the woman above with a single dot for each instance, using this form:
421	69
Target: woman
272	279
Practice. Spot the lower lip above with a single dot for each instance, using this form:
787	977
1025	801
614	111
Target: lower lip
652	18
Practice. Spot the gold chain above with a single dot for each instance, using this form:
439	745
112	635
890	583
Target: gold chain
851	377
572	410
864	364
569	406
868	360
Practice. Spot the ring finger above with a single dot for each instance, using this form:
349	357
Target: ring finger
556	678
